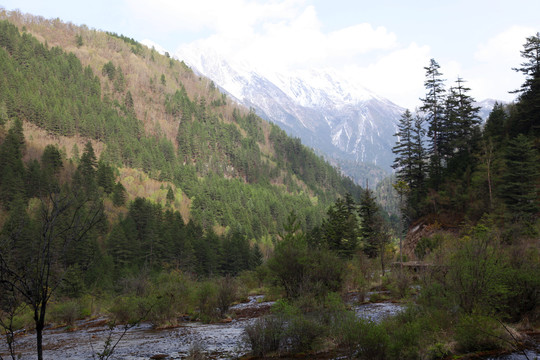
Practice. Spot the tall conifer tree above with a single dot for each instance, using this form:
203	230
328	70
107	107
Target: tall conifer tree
433	109
528	108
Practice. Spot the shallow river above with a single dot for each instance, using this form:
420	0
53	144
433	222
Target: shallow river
218	341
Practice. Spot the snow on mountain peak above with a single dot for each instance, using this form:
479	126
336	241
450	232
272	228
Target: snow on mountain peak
320	88
323	107
311	88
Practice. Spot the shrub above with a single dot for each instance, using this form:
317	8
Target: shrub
476	333
265	335
426	245
405	333
303	332
523	282
227	290
361	338
130	309
400	283
438	351
477	273
207	301
197	351
170	297
66	312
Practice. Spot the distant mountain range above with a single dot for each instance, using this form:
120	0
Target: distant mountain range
343	121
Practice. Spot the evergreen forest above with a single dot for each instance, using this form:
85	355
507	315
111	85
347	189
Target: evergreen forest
134	189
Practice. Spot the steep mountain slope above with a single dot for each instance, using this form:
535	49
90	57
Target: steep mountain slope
228	168
340	119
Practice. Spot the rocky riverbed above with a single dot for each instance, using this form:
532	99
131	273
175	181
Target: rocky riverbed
223	340
219	341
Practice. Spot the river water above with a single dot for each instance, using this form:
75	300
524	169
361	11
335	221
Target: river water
217	341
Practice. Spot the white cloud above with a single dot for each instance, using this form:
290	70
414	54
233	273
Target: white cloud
504	47
282	35
492	75
398	75
231	16
278	44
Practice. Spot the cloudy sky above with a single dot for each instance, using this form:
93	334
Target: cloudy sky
382	44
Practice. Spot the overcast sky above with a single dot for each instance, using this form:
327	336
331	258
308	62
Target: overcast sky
382	44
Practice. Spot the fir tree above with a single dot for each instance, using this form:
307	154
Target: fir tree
409	161
12	171
461	128
371	224
496	123
341	229
528	107
119	194
433	109
105	177
519	187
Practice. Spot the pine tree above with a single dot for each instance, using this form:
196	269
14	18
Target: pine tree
433	109
460	129
519	185
341	229
528	107
403	162
371	224
51	160
409	161
170	194
12	171
495	123
105	177
86	172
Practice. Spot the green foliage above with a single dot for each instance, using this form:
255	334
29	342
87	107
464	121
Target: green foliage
426	245
525	119
207	301
130	309
109	70
372	225
265	335
12	170
479	333
478	272
473	172
51	160
227	292
300	270
78	40
136	47
119	194
341	230
303	333
67	312
409	162
519	188
105	177
362	339
171	297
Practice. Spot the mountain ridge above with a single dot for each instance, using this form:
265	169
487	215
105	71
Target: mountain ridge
340	119
227	168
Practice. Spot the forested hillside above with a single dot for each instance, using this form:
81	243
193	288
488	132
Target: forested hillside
150	112
134	190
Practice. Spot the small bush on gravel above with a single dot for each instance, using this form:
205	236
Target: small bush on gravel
265	335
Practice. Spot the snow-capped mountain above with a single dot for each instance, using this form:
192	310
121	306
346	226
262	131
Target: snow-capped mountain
328	112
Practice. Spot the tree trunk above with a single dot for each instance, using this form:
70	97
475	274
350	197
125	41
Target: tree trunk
39	318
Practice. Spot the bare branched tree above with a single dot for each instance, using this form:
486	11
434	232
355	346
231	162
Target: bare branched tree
34	245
